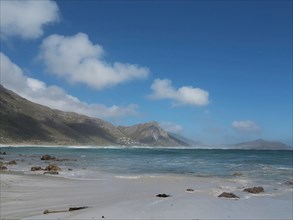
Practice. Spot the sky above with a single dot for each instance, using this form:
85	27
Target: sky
213	71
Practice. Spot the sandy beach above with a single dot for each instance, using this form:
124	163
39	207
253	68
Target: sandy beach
27	196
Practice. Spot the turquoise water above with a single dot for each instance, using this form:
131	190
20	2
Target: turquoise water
263	165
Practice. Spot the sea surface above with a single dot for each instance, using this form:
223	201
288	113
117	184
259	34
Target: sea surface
262	166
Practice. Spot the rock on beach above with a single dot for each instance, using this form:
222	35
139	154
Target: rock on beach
36	168
47	157
2	167
13	162
254	190
228	195
53	167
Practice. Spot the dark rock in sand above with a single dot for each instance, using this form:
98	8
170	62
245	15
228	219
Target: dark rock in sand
189	190
163	195
13	162
2	167
254	190
69	169
47	157
51	172
53	167
77	208
36	168
228	195
237	174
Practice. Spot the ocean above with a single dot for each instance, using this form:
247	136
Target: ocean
261	166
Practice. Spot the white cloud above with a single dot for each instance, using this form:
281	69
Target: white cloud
26	18
78	60
246	126
185	95
12	78
171	127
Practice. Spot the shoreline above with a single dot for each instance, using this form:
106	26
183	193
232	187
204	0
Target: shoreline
27	196
137	147
113	147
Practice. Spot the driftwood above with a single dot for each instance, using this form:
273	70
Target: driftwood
69	210
76	208
47	211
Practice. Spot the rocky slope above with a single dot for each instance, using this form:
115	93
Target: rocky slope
150	134
25	122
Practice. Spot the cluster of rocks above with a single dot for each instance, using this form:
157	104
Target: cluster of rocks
48	157
229	195
253	190
50	169
3	167
12	162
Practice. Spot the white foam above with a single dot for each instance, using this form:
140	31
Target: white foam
128	177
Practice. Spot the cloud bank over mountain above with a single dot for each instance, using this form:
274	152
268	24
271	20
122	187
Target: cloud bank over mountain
171	127
12	77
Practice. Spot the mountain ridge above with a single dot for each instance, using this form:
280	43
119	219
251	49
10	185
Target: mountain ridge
25	122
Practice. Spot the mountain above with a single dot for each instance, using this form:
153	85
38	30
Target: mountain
261	144
150	133
25	122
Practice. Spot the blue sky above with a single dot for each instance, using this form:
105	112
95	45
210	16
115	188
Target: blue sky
215	71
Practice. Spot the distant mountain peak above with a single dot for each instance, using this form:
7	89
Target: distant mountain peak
261	144
150	132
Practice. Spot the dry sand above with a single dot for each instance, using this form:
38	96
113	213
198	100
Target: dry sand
26	196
